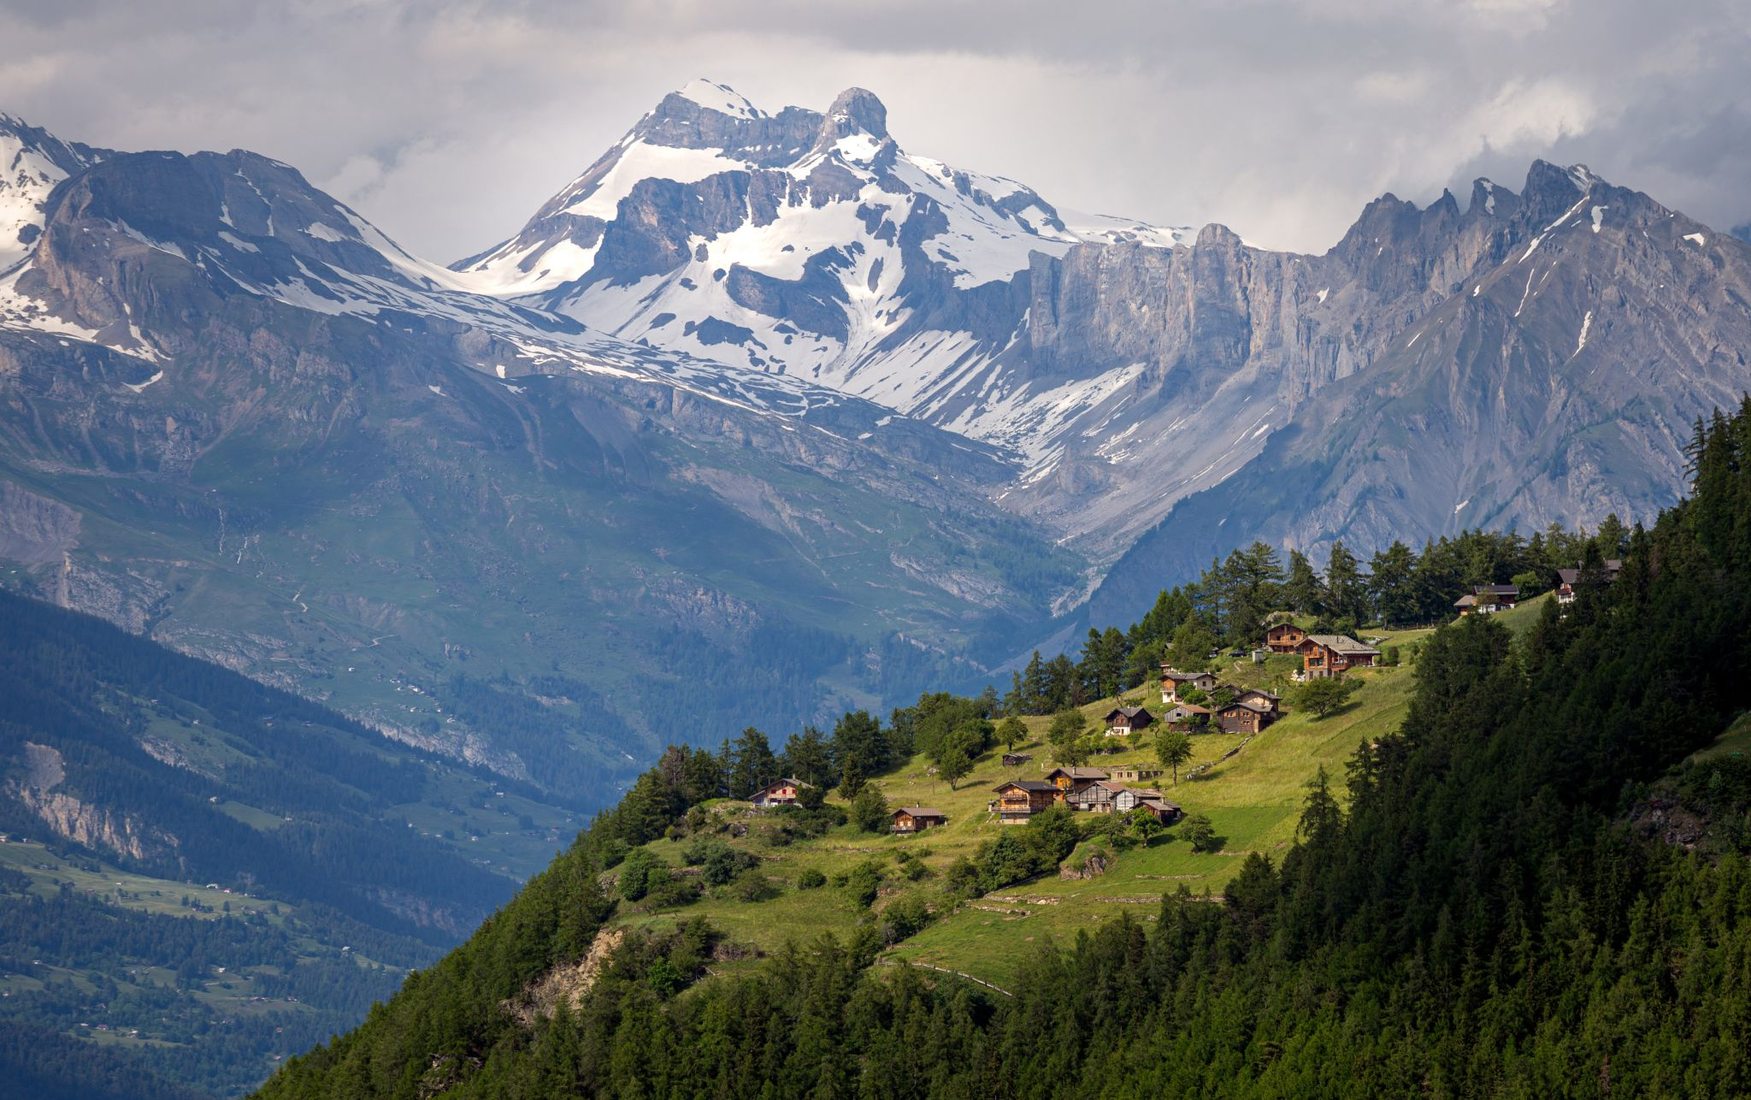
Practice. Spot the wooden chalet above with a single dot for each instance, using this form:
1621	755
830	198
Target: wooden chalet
1020	799
1096	797
1122	721
1239	717
1133	798
1270	701
1172	680
780	792
916	819
1284	638
1567	579
1067	781
1185	715
1484	599
1324	655
1136	774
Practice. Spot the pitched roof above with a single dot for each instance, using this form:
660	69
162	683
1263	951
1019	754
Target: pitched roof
1613	566
1079	773
918	811
1026	785
1244	705
1341	643
1496	589
1176	674
1105	785
1189	708
1129	712
1261	691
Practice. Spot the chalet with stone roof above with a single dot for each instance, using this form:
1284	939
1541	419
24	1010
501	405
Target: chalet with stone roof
1185	715
1134	798
780	792
1096	797
1122	721
1239	717
1020	799
1259	697
1486	599
1284	638
1326	655
1067	781
1173	681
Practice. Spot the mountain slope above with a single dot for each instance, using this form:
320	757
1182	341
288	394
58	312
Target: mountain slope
163	817
1129	367
1508	896
1588	327
238	417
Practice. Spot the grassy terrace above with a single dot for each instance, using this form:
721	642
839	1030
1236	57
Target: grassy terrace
1254	800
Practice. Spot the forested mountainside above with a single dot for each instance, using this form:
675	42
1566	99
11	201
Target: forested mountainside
201	873
1531	887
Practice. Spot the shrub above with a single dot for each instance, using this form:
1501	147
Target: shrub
700	849
639	873
904	917
864	881
755	886
811	879
964	878
673	891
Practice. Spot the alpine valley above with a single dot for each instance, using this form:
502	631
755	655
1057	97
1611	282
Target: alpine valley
758	421
762	414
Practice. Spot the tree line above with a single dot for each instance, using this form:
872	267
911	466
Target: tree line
1236	598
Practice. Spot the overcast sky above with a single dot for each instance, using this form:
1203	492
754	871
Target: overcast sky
448	122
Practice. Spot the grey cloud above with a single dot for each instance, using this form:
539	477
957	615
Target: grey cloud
448	122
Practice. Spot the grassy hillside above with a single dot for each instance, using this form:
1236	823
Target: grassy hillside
1253	799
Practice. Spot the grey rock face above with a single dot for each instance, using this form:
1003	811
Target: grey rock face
1561	343
1126	369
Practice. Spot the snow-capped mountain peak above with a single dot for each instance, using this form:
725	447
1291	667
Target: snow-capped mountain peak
32	161
716	97
812	244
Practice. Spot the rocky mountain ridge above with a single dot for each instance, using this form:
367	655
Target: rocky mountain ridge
1125	367
240	418
754	375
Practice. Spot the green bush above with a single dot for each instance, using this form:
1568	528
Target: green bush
811	879
639	872
864	881
904	917
754	886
